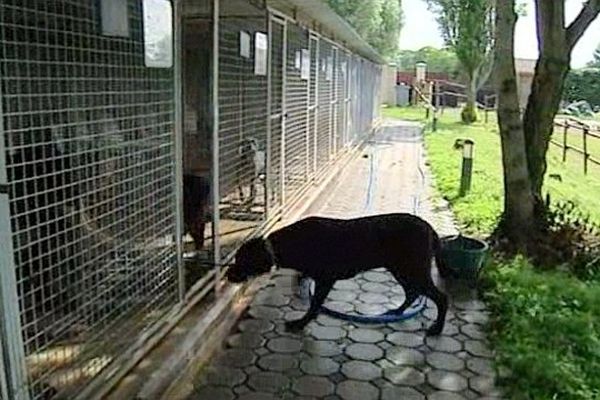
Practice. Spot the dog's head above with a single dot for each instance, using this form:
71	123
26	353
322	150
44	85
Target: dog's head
252	259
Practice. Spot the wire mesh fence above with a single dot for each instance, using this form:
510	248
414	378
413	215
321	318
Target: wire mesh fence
88	110
88	138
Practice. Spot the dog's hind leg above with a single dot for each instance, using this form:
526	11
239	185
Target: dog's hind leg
410	293
441	302
321	291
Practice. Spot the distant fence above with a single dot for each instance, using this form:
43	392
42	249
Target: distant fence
576	136
588	134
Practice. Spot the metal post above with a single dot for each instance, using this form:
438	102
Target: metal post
268	149
586	155
317	107
11	339
467	167
178	76
308	109
283	112
215	150
565	144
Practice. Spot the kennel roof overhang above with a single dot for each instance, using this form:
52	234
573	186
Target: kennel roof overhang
317	15
314	14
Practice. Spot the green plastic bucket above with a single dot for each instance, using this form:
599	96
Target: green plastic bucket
464	256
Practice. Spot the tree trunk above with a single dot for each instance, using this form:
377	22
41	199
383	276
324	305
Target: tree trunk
469	113
518	220
543	104
547	87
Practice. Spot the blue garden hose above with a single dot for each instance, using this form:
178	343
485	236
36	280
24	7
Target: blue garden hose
390	315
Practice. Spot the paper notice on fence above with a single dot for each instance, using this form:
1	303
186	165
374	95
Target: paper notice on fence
261	46
305	72
244	44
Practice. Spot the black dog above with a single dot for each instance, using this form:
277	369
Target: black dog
328	250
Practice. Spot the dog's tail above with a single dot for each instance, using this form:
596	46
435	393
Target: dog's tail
444	270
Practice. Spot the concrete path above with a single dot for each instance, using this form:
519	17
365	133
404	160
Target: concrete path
336	359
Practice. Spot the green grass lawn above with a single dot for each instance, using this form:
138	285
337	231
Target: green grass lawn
545	325
479	210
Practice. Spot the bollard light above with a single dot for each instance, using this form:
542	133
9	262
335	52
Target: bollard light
468	147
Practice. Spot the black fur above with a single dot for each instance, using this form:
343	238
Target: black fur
328	250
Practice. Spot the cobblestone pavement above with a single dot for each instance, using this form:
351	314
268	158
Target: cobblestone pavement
335	359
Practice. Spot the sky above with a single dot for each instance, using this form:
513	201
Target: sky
420	30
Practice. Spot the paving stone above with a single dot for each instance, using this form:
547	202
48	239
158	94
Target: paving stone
404	356
448	381
342	295
445	361
278	362
411	325
482	384
404	375
372	298
450	329
340	306
241	389
255	396
444	343
363	335
474	317
401	393
441	395
361	370
265	312
236	358
370	309
406	339
473	331
248	340
326	320
469	305
364	351
398	289
356	390
223	376
478	348
284	345
325	348
346	285
481	366
269	298
377	277
327	332
313	386
256	325
214	393
375	287
319	366
268	382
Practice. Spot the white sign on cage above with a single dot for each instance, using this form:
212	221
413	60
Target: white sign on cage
114	18
329	75
244	44
158	33
261	46
298	60
305	72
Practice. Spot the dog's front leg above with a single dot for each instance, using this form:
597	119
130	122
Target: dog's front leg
321	291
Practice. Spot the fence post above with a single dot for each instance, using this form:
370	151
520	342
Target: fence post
565	144
11	333
586	131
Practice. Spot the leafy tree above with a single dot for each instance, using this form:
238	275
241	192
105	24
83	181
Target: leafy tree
595	63
378	21
583	84
525	139
467	27
438	60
